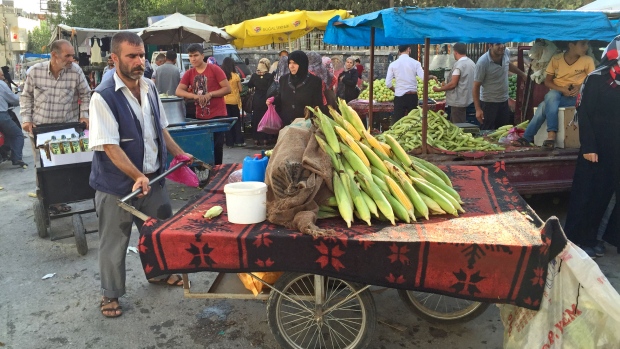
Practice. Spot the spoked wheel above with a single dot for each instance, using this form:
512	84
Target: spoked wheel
313	311
80	234
41	218
442	309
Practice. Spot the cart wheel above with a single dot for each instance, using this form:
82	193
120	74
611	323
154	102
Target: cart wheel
329	316
41	219
437	308
80	234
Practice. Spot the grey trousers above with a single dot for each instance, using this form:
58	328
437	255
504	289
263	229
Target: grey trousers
114	230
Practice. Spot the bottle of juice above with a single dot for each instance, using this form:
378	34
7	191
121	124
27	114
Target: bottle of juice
55	146
84	142
75	144
65	145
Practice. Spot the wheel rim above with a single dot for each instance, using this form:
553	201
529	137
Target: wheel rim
307	325
442	307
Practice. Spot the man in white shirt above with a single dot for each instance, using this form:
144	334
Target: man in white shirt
404	69
460	85
129	137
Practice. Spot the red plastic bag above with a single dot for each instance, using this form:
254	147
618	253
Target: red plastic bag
513	135
271	122
183	174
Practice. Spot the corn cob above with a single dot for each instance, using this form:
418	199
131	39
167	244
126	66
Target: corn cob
346	137
327	209
358	201
400	195
432	167
398	151
447	192
356	163
328	131
386	148
399	210
344	205
373	143
431	177
375	193
351	130
373	158
344	177
380	183
414	196
347	167
213	212
394	170
372	206
433	207
350	115
330	152
331	201
337	117
442	201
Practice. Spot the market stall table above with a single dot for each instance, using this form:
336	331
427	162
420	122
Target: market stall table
458	257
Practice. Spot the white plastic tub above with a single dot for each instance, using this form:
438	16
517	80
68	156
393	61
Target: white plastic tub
246	202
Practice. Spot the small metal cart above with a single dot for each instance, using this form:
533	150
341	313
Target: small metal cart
62	184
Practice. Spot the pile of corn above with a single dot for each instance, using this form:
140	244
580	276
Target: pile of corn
441	134
372	178
503	131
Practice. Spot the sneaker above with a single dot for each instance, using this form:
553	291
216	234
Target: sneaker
600	249
20	163
589	251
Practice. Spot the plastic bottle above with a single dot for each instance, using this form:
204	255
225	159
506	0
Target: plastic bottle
75	144
84	142
55	146
65	145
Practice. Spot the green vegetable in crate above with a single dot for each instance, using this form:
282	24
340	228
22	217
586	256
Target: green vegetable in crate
431	94
441	134
380	92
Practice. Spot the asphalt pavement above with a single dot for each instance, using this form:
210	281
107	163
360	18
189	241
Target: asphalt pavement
63	310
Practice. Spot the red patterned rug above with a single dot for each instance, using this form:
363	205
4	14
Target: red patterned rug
496	252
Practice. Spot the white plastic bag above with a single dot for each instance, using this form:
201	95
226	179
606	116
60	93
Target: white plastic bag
579	309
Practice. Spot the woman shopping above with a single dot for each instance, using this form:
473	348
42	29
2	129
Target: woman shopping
260	82
234	137
347	81
597	175
298	89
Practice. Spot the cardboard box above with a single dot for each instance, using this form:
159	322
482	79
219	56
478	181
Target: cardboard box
61	159
567	136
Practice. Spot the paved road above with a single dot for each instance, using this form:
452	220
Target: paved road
63	312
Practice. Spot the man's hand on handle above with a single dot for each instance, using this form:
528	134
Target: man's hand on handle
27	126
141	182
85	121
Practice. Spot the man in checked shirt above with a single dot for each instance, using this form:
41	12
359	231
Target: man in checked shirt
51	93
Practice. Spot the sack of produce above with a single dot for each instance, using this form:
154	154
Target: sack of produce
271	122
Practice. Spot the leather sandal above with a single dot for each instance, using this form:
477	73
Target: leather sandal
549	144
110	307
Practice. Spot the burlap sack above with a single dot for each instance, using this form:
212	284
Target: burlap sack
298	177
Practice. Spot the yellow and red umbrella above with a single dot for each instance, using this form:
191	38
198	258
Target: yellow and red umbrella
280	27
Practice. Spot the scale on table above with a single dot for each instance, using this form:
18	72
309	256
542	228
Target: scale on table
468	128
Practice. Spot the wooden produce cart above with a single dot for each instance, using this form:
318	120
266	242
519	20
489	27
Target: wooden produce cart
490	254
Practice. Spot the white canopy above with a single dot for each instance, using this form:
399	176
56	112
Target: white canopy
81	34
602	5
177	28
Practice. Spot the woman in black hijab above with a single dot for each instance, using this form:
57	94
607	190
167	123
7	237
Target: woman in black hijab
597	174
298	89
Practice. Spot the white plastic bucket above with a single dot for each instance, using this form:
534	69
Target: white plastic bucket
246	202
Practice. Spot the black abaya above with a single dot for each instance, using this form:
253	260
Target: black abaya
595	182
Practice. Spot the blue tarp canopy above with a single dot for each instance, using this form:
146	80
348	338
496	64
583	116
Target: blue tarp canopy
411	25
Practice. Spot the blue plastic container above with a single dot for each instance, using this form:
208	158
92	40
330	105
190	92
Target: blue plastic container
254	168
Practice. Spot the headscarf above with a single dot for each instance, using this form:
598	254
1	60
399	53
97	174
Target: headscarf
345	65
316	67
609	65
265	61
327	63
282	68
211	60
262	67
301	59
337	63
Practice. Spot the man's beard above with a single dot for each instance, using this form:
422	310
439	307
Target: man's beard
135	74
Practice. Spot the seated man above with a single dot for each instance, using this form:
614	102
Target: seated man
565	74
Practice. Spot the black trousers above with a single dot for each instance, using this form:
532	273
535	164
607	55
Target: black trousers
234	135
495	115
403	105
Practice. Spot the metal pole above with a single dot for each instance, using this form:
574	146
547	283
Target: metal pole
371	76
427	44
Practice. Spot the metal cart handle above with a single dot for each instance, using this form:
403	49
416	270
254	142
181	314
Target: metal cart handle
122	203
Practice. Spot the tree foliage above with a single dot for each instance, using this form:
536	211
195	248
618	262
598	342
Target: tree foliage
103	13
38	38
